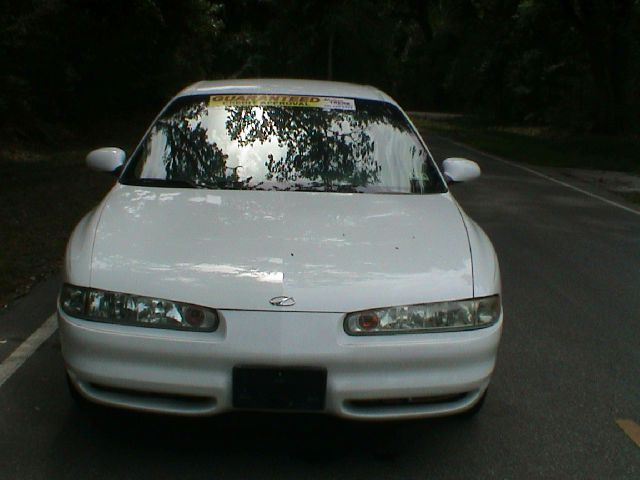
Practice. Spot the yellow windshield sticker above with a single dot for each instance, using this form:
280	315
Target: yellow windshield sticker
332	103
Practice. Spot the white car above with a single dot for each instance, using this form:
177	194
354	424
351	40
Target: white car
281	245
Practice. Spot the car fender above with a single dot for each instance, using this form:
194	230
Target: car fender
486	270
79	253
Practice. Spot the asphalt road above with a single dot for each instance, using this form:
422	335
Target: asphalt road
569	366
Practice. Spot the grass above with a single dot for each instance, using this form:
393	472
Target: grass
633	197
540	146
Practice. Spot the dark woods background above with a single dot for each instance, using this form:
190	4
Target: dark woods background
69	64
551	82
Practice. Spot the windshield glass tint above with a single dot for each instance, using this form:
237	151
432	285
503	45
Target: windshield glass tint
275	142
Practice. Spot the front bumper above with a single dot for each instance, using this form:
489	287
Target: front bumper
190	373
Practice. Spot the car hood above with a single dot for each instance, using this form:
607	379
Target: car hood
331	252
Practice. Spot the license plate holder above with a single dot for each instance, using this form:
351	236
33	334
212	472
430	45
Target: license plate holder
287	388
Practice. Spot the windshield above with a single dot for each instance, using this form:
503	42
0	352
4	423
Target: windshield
278	142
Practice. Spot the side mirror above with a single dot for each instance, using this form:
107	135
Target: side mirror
460	170
108	159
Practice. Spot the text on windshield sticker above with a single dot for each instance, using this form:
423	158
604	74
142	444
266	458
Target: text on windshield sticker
331	103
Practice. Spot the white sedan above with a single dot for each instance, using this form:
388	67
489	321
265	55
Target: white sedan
281	245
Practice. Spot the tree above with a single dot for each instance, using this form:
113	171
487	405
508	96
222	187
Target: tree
610	33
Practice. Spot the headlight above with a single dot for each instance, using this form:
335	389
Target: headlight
427	317
113	307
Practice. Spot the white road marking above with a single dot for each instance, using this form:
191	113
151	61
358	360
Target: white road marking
27	348
539	174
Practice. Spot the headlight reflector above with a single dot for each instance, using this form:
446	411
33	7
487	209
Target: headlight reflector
123	308
427	317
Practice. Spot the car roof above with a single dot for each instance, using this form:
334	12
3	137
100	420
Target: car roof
286	87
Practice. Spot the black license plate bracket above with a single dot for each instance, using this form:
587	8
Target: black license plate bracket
286	388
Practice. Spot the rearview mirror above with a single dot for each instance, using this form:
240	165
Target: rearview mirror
108	159
460	170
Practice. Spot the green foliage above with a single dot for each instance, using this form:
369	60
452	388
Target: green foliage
573	63
72	59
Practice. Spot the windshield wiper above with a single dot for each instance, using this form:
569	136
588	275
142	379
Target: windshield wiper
176	182
347	188
162	182
322	187
244	185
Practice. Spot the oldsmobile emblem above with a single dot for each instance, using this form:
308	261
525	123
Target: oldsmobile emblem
282	301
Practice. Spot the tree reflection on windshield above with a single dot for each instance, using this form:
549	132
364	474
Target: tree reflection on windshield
325	146
369	149
188	154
